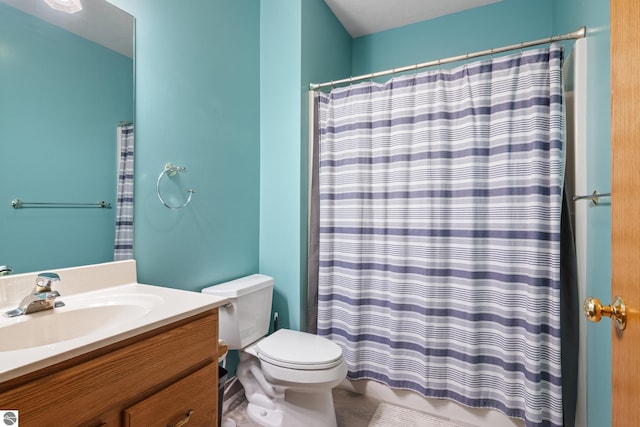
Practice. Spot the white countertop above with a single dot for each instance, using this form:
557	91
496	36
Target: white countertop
124	310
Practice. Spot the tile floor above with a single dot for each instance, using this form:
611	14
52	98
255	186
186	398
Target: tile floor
352	410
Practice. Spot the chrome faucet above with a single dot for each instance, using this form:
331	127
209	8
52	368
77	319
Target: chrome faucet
5	270
40	298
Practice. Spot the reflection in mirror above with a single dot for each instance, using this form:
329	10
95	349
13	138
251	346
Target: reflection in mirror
66	82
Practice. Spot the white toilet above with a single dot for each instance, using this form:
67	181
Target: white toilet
288	375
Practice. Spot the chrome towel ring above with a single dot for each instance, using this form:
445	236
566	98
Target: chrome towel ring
171	170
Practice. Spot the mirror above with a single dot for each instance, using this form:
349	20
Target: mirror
66	83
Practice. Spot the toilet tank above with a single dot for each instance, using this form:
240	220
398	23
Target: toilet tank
246	319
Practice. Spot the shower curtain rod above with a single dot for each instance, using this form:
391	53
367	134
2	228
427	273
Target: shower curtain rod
578	34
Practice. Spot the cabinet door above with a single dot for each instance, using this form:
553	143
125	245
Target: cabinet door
192	401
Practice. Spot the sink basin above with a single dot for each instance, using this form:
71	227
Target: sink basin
104	305
79	318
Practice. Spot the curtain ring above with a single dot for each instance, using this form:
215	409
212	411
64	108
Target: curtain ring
466	64
415	74
171	170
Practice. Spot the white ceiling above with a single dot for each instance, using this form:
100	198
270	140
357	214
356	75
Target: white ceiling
99	21
361	17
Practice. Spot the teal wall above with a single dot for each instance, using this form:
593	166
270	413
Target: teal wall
280	154
301	41
54	148
594	14
197	106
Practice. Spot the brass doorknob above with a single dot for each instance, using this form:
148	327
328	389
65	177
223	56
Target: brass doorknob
594	311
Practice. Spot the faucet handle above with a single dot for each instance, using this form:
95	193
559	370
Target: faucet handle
44	281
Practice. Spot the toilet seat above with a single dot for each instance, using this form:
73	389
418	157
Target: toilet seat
299	350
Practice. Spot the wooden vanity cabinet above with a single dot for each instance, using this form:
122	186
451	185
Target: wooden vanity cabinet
157	378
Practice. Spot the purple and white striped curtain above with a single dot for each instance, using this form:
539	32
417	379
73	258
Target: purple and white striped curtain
440	200
123	246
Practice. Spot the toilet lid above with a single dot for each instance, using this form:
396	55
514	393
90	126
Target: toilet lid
299	350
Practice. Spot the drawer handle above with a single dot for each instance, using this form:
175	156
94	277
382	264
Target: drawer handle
182	421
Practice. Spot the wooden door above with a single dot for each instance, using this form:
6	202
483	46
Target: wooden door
625	206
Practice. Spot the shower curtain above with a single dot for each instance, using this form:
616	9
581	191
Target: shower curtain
123	246
440	197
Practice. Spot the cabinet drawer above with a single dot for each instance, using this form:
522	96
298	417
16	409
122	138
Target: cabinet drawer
196	394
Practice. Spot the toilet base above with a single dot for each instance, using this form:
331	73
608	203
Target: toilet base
273	405
265	417
299	409
309	409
